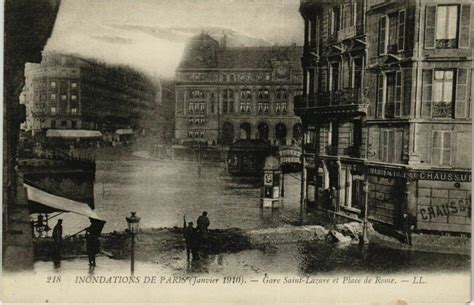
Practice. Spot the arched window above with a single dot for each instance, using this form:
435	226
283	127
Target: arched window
262	131
227	135
245	131
280	133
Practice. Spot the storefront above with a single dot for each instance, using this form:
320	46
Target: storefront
438	200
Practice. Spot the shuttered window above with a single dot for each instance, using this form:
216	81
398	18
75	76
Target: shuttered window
383	35
401	31
427	93
447	26
380	95
442	147
444	90
465	26
398	94
387	146
443	85
406	92
462	94
430	26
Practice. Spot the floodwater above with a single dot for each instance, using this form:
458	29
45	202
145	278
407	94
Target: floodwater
163	192
296	259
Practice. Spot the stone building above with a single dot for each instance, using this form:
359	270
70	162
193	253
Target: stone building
68	92
408	140
228	93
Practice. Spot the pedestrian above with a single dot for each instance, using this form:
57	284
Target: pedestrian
57	239
92	245
407	227
333	198
202	226
192	241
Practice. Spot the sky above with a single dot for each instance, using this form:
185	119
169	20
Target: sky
150	35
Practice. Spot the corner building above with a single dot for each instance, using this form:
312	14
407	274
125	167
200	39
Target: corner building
228	93
68	92
416	128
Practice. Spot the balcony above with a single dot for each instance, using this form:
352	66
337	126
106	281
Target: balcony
346	33
392	49
342	102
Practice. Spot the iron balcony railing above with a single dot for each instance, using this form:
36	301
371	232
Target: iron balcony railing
351	96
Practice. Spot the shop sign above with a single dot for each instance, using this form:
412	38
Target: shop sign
434	175
290	155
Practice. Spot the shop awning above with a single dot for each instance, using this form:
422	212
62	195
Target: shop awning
73	133
59	203
124	131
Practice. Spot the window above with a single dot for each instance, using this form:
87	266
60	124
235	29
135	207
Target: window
267	76
335	20
53	97
63	97
231	77
63	123
224	77
443	94
73	85
446	26
389	95
334	76
73	97
73	124
53	124
53	110
387	146
401	31
52	85
73	110
441	152
228	101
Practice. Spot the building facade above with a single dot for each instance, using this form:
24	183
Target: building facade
67	92
407	148
229	93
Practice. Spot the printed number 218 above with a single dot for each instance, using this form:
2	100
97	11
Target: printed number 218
53	279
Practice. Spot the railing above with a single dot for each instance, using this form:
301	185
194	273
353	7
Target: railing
346	33
392	49
344	97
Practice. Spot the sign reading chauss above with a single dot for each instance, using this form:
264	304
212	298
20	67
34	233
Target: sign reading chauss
435	175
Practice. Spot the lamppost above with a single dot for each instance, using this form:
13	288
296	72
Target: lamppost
366	207
133	223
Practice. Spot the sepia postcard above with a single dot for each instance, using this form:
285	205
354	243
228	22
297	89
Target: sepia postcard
237	151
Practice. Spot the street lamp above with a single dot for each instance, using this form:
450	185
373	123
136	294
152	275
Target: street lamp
133	224
366	207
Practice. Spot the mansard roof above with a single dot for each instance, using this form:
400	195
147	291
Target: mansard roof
204	52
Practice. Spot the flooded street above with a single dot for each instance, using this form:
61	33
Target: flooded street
162	192
298	259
